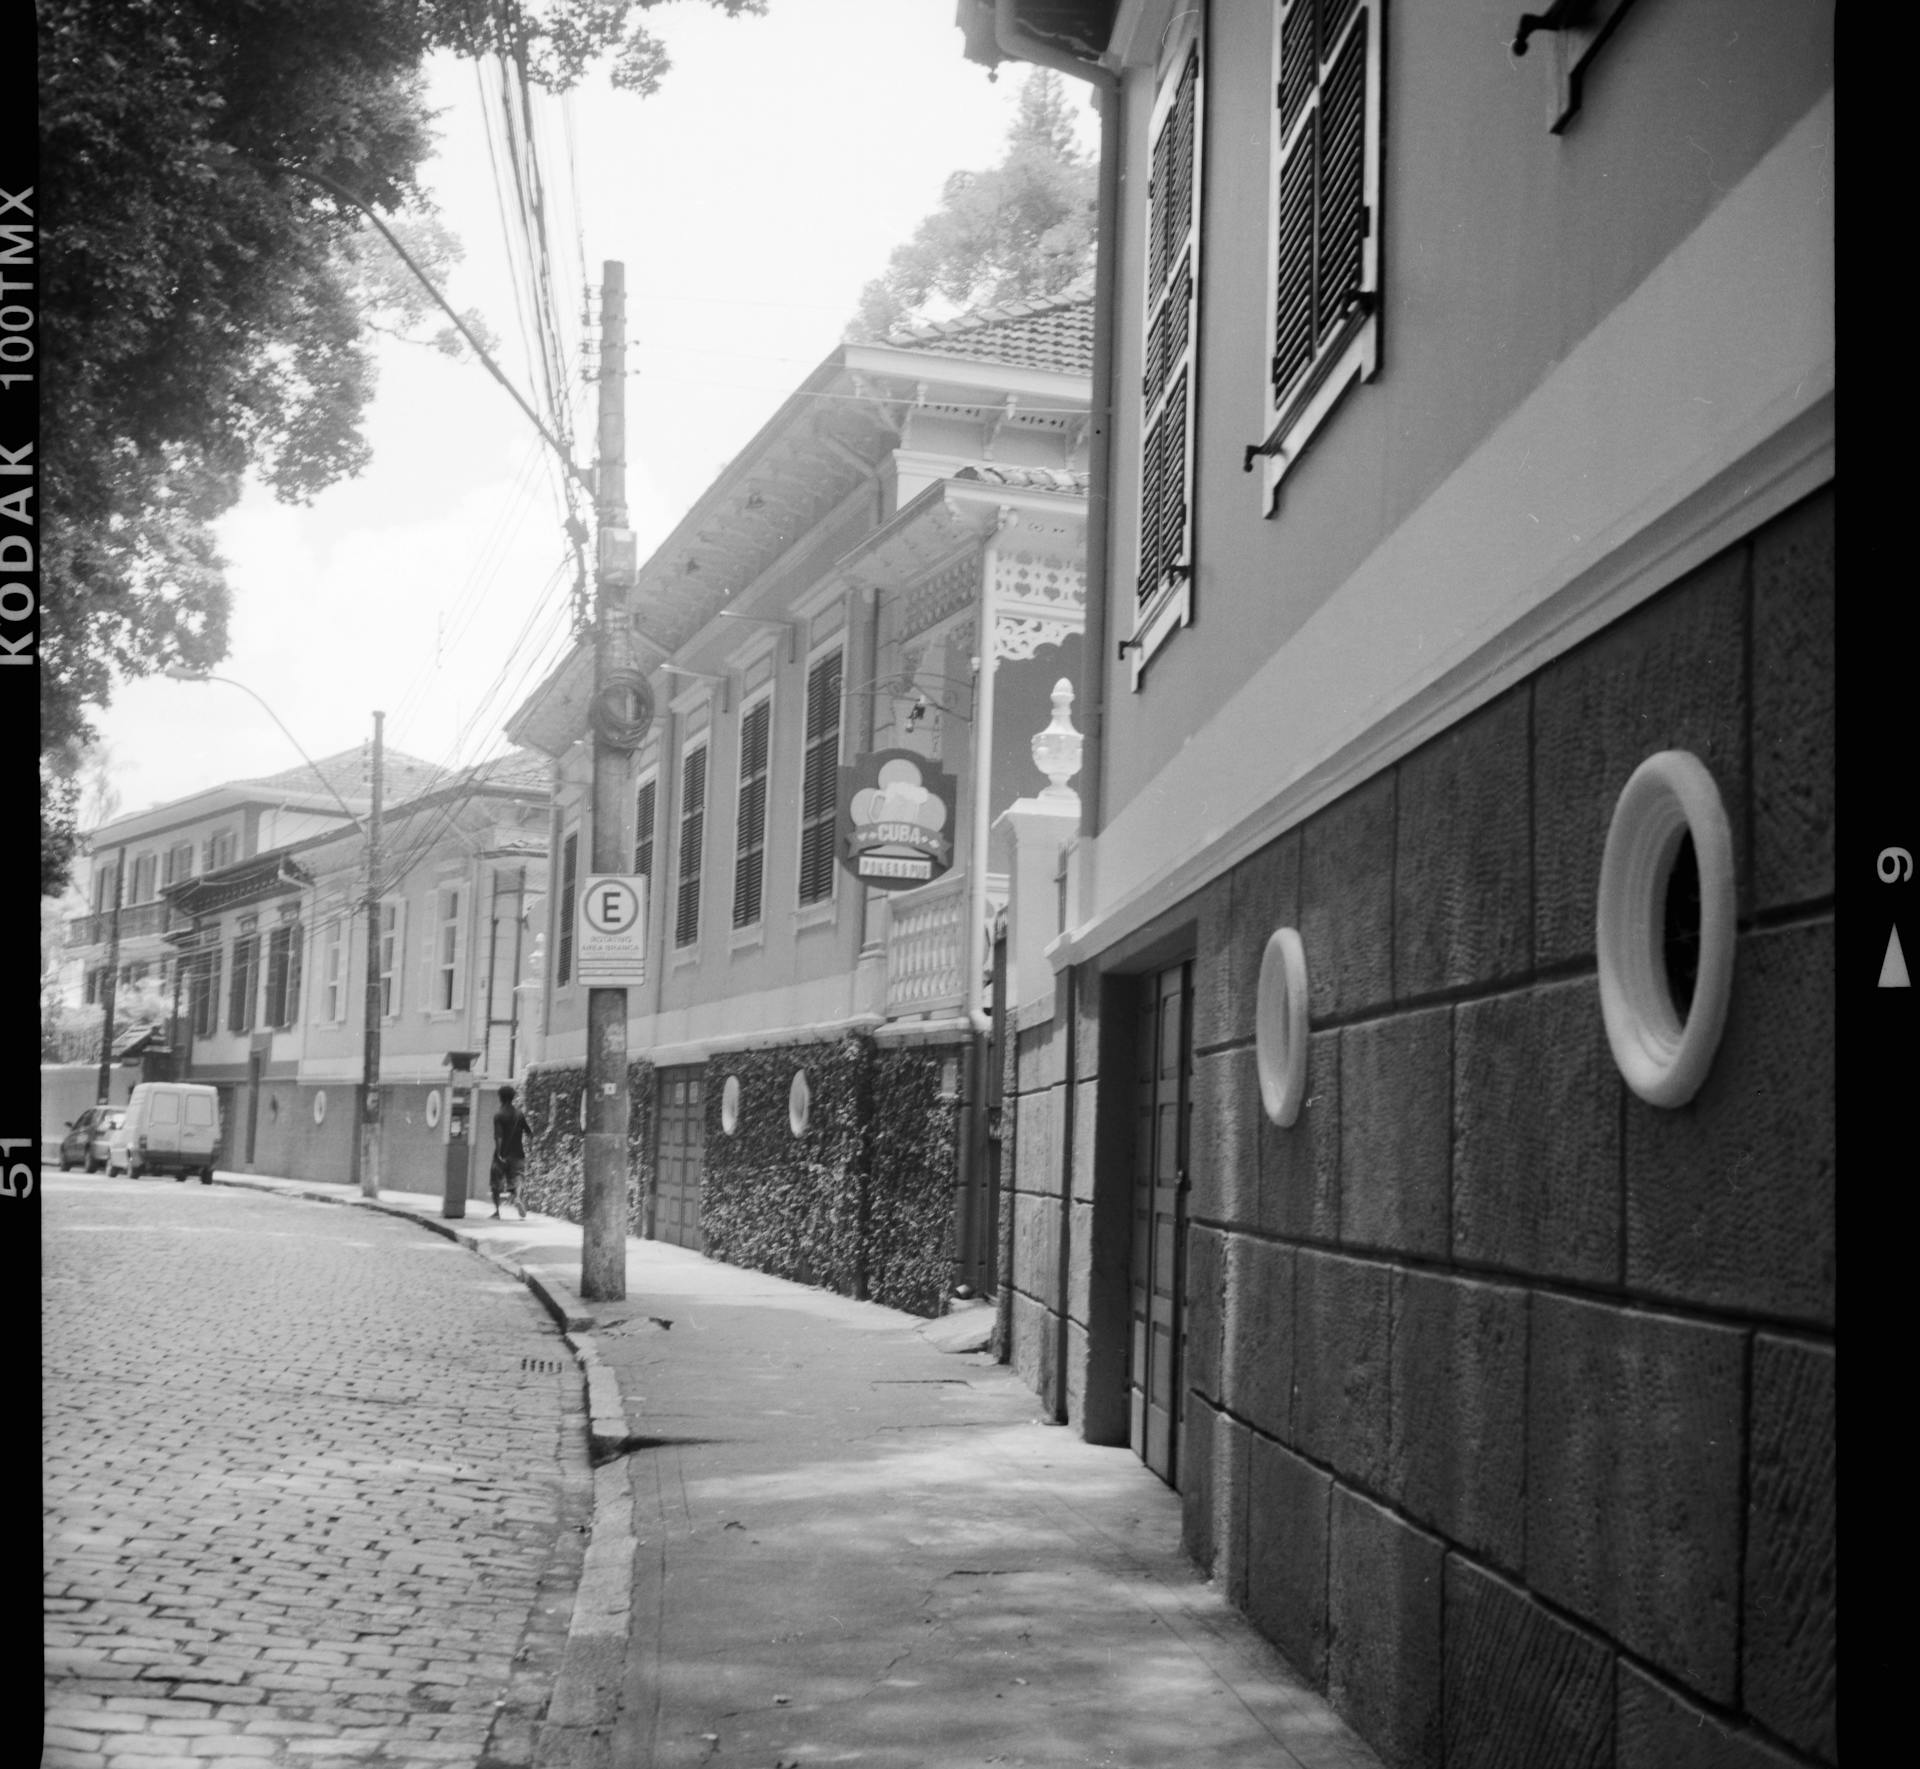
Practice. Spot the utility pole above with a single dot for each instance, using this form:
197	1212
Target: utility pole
369	1096
616	685
110	980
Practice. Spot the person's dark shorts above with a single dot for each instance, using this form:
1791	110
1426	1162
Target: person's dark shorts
505	1175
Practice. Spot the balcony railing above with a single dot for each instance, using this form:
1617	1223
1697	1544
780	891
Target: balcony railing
142	918
927	948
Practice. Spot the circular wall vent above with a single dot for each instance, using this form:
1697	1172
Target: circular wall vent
730	1105
1280	1026
433	1108
799	1103
319	1105
1664	929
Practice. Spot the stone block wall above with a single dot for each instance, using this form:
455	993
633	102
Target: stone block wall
1509	1410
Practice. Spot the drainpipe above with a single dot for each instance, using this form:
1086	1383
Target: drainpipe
1106	278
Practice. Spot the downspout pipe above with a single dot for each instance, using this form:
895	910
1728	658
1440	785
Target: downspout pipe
1106	279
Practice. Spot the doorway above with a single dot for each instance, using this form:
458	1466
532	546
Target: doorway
679	1156
1162	1085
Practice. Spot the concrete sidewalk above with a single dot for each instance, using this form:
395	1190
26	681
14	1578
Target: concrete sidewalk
821	1535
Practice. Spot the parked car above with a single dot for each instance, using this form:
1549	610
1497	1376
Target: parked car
85	1143
173	1127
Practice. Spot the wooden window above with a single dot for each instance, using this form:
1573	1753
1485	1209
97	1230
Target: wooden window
179	863
646	808
750	831
393	918
333	980
203	992
1323	239
244	981
143	879
447	953
569	882
1168	378
693	836
820	779
283	975
220	850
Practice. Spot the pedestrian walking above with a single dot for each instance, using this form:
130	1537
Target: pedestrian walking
509	1152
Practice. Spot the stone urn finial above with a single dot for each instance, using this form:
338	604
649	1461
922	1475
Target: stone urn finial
1056	750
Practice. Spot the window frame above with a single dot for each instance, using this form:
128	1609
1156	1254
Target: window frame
750	843
390	955
646	823
816	819
563	909
282	1009
692	822
1347	349
243	981
333	969
1163	607
203	992
449	949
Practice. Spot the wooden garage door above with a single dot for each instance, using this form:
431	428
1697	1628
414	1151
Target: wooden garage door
681	1115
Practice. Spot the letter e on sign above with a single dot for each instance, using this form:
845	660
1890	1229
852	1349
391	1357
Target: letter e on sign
613	931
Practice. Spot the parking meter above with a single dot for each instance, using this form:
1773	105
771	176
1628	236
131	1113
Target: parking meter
456	1132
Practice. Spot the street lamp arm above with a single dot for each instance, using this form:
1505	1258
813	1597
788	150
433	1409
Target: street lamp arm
180	673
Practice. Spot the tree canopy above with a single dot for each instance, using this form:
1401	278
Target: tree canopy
213	303
1022	229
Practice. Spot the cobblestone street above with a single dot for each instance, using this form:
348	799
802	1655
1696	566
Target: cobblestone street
312	1477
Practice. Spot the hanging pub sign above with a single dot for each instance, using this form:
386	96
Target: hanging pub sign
895	819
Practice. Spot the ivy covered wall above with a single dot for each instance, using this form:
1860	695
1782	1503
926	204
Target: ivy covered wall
551	1096
781	1203
914	1155
862	1201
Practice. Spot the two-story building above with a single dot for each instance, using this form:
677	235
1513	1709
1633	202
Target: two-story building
273	957
143	852
1426	1147
891	568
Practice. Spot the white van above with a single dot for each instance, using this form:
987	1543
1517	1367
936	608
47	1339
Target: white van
172	1127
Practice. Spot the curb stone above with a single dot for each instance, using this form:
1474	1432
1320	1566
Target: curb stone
586	1693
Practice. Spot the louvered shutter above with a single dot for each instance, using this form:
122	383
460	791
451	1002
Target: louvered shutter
296	954
1172	308
563	910
645	805
1325	128
277	942
693	832
820	783
750	834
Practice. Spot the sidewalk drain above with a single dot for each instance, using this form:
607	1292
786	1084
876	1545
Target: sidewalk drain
540	1366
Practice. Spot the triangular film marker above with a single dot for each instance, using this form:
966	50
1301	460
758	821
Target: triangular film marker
1893	968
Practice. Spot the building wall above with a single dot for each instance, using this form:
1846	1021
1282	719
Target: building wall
1503	248
1509	1397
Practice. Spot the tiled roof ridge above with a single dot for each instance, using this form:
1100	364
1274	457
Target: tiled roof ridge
1028	478
1077	293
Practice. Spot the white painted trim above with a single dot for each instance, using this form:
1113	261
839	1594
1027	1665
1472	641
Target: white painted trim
1683	421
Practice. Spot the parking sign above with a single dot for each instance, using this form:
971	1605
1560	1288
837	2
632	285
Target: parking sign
612	923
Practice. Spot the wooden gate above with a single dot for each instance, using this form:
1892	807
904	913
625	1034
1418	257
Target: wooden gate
680	1116
1163	1065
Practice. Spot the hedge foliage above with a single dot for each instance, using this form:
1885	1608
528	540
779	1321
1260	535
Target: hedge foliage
915	1166
862	1202
556	1159
780	1203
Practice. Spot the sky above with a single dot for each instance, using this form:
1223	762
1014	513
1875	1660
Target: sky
749	200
